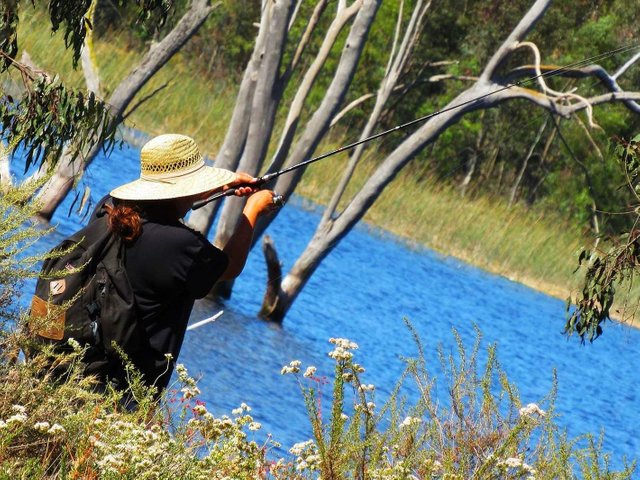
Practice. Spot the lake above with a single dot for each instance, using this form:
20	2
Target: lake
363	291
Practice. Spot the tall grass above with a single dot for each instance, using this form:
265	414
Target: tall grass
526	245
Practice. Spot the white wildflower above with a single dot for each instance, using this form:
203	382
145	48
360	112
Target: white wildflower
511	462
435	466
530	410
190	392
41	426
200	409
298	448
3	424
293	367
517	463
55	429
409	421
19	409
253	426
110	461
310	372
341	352
344	343
367	388
17	418
344	417
357	368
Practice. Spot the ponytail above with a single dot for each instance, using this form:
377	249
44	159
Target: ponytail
124	221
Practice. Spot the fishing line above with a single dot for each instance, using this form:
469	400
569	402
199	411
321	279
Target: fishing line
551	73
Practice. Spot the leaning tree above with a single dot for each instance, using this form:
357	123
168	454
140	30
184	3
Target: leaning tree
72	149
261	93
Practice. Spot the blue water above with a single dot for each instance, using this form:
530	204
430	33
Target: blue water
362	291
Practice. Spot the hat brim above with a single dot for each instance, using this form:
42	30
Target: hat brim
202	180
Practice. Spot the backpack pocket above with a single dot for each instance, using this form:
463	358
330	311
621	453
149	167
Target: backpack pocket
47	319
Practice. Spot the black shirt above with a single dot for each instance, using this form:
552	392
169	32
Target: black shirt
169	266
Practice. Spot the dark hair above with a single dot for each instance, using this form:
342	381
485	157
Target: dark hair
125	220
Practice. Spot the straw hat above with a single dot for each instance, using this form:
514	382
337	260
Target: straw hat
171	166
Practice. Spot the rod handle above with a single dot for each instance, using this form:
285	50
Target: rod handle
232	191
201	203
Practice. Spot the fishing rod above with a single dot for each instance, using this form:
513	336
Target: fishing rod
270	176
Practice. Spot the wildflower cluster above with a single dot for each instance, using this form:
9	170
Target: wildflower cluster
293	367
122	447
19	419
189	389
343	348
64	430
531	410
349	423
306	456
515	466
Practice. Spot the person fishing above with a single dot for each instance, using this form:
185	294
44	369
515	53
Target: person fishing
168	264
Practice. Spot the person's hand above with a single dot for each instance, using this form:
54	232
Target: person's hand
262	202
242	184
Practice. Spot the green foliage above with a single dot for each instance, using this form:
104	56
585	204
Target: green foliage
18	233
8	30
48	116
69	14
55	429
605	271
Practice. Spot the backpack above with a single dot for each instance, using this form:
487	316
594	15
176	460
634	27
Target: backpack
83	293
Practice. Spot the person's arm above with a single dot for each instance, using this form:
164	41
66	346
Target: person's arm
237	248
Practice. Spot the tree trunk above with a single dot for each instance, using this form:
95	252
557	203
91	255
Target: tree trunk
267	95
314	131
319	123
271	301
57	188
329	234
236	136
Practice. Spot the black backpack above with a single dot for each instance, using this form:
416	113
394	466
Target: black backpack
85	294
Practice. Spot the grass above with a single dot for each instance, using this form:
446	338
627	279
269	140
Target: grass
526	245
